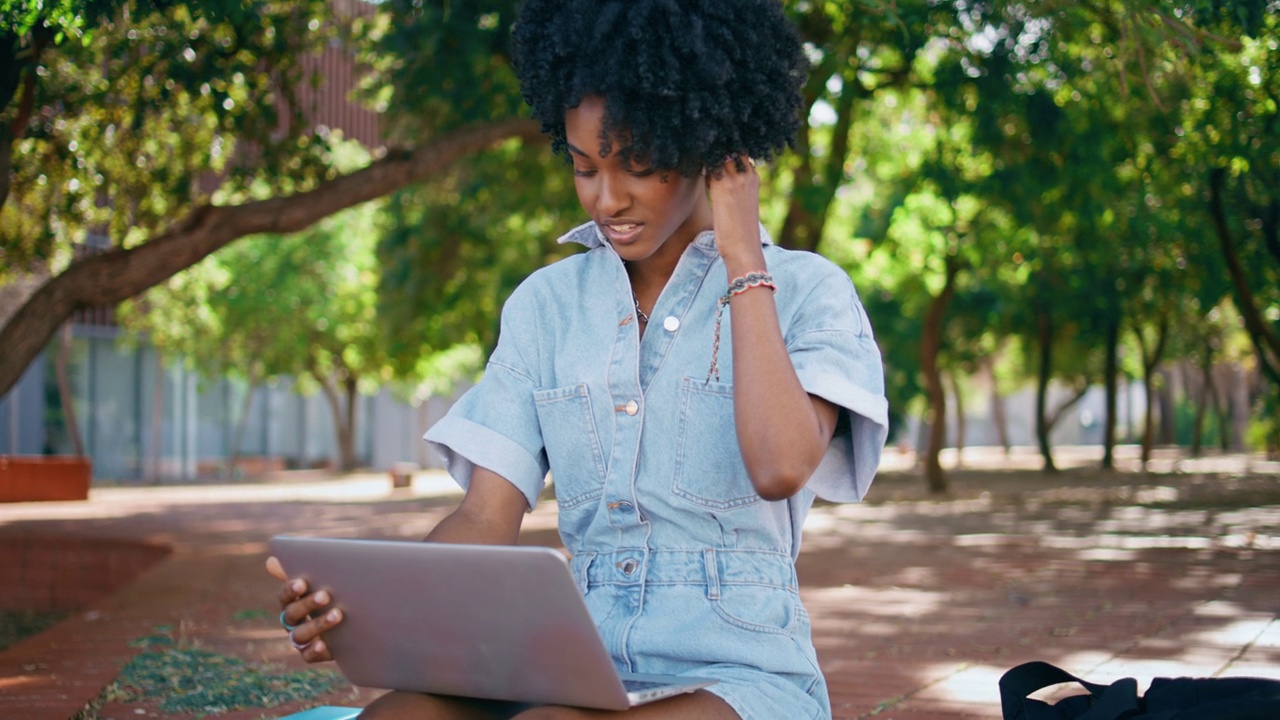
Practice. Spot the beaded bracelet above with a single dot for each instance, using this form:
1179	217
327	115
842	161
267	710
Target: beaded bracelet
737	287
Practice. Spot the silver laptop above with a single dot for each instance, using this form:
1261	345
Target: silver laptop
481	621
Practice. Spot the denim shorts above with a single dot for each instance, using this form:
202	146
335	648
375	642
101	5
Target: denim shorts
731	615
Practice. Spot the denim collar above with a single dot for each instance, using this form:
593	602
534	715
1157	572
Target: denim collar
589	235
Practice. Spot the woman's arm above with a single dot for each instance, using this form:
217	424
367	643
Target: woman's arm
490	513
783	431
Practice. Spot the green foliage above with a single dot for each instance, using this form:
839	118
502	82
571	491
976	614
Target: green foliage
302	305
121	132
437	65
1058	153
454	249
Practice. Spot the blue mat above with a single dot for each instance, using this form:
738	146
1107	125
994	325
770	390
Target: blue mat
328	712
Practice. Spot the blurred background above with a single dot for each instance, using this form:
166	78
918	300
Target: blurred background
241	238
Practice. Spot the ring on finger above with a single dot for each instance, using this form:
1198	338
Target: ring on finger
285	623
297	645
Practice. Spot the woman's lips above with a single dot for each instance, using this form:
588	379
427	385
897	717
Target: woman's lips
621	233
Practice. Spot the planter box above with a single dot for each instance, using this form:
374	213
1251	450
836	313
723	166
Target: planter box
26	478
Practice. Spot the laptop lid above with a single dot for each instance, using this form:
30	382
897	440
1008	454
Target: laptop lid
484	621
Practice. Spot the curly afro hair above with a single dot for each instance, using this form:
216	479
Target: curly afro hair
688	82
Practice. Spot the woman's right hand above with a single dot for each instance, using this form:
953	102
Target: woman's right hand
308	614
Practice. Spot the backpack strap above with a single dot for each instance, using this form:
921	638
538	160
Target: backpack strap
1104	702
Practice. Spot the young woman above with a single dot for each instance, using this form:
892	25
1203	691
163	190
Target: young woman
690	386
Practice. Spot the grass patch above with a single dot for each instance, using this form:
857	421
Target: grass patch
198	682
16	625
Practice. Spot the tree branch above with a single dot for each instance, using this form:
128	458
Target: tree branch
1266	343
117	275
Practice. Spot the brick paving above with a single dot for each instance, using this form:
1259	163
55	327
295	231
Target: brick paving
918	604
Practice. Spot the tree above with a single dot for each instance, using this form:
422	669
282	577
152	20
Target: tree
302	305
116	131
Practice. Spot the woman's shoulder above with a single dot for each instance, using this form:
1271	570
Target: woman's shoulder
559	281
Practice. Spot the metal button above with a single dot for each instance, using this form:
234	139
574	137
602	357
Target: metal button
628	566
632	407
671	324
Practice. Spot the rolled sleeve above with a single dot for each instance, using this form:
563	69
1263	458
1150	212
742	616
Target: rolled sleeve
495	424
836	358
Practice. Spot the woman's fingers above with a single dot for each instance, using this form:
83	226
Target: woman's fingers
304	616
317	652
305	607
307	637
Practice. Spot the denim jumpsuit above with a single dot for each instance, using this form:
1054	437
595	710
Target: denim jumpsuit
685	569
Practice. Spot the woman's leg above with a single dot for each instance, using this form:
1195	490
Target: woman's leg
417	706
699	705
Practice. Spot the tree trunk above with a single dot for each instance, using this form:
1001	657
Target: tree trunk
930	346
242	422
1110	373
815	188
65	393
1044	330
343	419
1148	418
1166	433
959	414
1239	408
1202	400
998	415
1266	342
1150	363
110	277
1222	404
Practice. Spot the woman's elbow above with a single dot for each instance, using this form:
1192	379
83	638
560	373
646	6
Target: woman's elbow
781	483
779	475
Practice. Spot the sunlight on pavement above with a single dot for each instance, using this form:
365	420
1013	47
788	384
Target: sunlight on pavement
106	502
889	602
974	684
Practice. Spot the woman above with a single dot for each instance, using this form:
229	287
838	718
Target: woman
690	386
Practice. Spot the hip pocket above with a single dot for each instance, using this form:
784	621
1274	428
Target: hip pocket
572	444
709	471
758	608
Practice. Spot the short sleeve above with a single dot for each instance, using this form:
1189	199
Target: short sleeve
495	424
836	358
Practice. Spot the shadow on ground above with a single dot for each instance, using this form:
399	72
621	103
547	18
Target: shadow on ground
918	603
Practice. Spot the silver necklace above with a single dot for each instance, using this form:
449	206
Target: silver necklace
639	313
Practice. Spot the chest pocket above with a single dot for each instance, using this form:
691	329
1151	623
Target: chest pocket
709	471
572	444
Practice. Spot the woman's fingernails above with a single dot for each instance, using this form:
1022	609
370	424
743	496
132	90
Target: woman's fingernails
318	646
322	597
297	586
332	616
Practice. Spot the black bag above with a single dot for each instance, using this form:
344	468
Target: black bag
1167	699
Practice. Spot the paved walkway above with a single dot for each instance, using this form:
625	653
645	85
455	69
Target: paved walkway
918	604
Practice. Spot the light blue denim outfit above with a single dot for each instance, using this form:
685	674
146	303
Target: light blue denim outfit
685	569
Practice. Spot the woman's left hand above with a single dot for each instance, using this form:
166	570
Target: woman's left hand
734	189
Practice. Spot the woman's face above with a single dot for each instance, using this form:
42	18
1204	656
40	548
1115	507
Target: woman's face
640	210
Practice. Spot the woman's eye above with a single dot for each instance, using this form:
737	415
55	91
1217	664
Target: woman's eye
579	172
645	172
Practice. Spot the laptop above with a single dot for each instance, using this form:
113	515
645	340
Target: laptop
482	621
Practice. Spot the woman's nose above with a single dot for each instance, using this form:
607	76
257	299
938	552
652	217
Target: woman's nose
612	197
